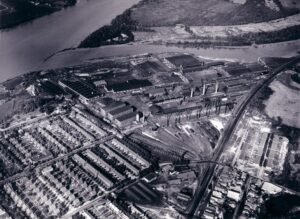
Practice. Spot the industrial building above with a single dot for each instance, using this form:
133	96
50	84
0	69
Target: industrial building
237	69
119	113
126	119
79	88
150	67
183	61
129	85
110	106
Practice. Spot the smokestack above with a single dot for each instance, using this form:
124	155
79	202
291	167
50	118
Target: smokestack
192	91
217	87
204	89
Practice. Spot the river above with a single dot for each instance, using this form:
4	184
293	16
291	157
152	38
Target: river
24	48
244	54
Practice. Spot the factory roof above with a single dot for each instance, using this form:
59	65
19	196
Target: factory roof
80	88
176	109
184	61
120	110
151	67
126	116
105	101
114	105
156	91
129	85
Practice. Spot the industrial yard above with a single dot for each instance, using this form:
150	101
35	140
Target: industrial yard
149	109
138	135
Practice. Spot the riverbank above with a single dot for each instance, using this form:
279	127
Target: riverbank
245	53
25	47
16	12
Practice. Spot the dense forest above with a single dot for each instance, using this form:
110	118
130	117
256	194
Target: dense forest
118	32
281	206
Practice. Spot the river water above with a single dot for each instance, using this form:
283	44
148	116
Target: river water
25	47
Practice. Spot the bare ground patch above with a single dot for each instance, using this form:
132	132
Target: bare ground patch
284	103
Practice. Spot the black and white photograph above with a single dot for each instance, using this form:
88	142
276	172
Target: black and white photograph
149	109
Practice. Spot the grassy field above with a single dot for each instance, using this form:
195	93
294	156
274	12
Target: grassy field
284	103
202	12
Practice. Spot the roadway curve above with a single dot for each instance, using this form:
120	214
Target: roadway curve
209	173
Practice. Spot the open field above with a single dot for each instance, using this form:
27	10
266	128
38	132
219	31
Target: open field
284	103
151	13
245	33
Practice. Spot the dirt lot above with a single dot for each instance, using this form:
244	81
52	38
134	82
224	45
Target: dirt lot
202	12
284	103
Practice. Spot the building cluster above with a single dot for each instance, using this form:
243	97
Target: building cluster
238	194
71	182
177	186
23	149
256	194
111	163
118	113
104	210
52	192
78	155
113	210
184	180
229	190
38	197
54	135
11	160
142	193
181	86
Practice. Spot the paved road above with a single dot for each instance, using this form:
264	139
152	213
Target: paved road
209	173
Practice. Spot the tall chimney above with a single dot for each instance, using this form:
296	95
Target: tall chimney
217	87
204	89
192	91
